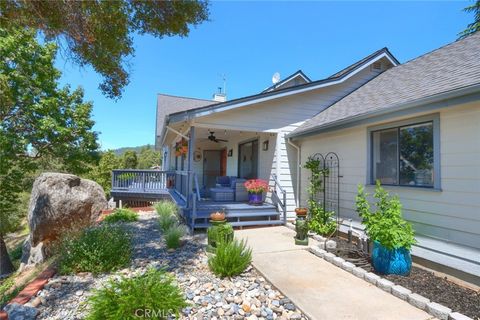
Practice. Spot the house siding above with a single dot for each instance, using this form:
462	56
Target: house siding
446	221
281	116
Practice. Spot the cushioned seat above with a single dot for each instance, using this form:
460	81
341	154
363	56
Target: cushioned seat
229	189
222	194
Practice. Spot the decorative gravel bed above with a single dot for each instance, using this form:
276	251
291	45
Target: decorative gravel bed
425	283
440	290
248	296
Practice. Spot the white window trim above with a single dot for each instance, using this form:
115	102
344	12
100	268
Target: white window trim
435	119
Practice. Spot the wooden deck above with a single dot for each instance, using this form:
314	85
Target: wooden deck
135	187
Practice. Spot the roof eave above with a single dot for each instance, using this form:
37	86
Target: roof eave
438	101
224	106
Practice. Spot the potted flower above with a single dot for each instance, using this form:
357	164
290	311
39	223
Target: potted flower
392	236
301	212
255	189
181	148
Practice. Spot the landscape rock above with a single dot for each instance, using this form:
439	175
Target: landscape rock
418	301
246	296
59	203
348	266
338	261
371	277
385	284
359	272
438	310
330	244
458	316
329	256
317	251
401	292
17	311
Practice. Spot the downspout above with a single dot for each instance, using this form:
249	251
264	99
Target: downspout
297	201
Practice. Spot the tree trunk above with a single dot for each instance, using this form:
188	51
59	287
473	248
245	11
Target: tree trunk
6	266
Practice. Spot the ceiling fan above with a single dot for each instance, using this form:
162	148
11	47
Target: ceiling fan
212	137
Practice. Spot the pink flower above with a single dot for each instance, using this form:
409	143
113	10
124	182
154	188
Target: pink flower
256	185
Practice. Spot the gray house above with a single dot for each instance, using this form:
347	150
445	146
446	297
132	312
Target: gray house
413	126
416	128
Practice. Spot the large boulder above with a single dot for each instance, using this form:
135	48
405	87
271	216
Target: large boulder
59	203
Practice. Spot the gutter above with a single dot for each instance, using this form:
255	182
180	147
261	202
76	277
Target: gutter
433	102
266	96
297	201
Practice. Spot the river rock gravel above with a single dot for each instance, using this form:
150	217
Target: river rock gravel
247	296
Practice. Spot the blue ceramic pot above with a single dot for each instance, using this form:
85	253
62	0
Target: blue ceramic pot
255	199
396	261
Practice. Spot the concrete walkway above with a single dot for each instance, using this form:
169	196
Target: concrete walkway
320	289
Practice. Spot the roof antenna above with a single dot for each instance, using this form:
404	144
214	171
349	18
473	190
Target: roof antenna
224	78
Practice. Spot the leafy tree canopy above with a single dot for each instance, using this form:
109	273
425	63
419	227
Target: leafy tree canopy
148	158
130	160
38	119
475	25
100	33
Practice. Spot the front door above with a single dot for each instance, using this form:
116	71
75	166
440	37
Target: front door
214	165
248	160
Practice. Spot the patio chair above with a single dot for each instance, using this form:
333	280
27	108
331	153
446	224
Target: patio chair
229	189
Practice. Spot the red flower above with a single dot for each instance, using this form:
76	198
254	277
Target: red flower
256	185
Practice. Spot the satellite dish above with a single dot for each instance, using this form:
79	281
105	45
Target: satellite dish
276	78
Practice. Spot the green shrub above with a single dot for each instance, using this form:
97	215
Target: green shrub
173	235
321	221
218	233
386	225
231	258
154	293
98	249
166	208
167	221
121	215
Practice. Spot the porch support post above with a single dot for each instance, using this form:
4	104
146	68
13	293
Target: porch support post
191	150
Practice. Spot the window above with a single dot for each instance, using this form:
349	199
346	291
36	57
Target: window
405	154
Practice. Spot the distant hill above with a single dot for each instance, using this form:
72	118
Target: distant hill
121	151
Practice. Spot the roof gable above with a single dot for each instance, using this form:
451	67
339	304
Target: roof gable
168	104
452	67
294	79
282	92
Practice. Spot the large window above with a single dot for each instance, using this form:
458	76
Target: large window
405	155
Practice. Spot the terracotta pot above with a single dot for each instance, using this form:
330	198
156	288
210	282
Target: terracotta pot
301	211
217	216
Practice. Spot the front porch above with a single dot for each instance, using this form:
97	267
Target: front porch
143	187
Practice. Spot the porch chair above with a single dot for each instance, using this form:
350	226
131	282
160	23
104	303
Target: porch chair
229	189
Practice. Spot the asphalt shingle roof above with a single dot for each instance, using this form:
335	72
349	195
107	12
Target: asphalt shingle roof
168	104
454	66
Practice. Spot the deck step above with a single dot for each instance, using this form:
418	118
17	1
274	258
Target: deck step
244	223
239	214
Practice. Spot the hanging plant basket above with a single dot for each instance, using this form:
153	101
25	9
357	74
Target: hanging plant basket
181	148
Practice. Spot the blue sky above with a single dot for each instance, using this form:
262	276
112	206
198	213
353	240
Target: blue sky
249	41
